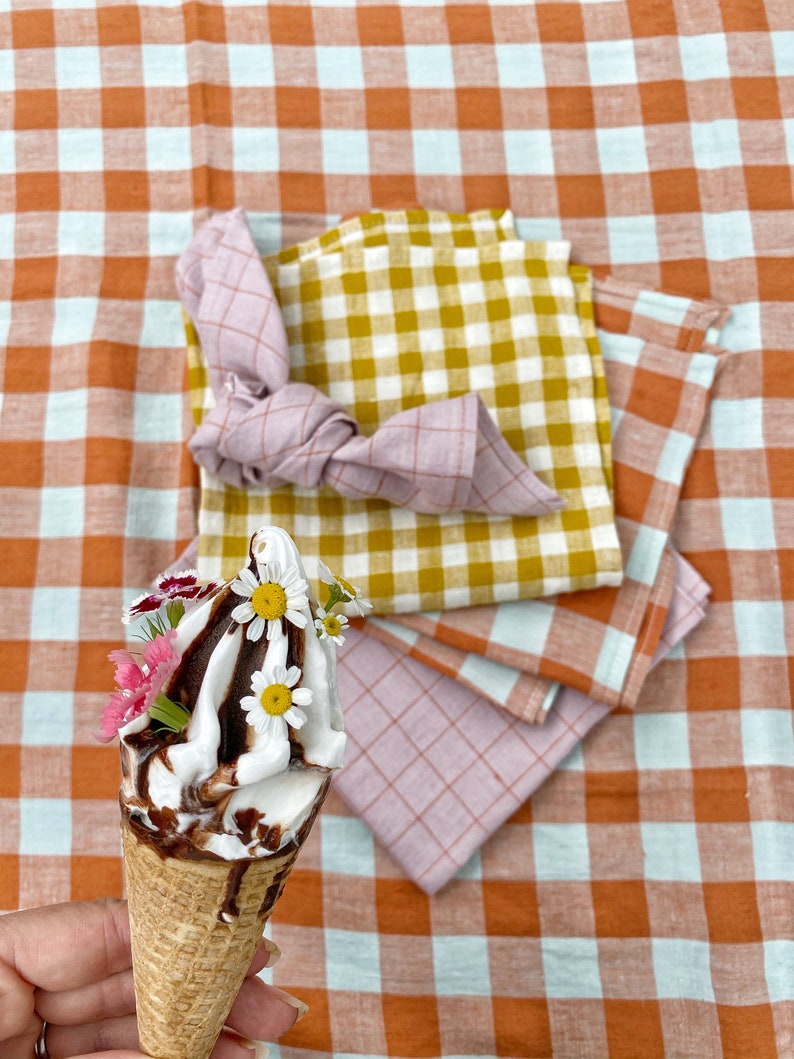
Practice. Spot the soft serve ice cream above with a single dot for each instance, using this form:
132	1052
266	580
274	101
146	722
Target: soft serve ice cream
253	670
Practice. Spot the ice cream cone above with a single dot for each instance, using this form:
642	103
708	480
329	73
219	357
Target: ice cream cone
230	728
195	925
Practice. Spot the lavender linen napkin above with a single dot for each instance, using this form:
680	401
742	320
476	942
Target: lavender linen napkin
433	768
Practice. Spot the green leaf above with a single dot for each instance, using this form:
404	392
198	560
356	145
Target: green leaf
154	627
168	713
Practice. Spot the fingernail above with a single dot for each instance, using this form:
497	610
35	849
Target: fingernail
258	1049
293	1001
273	953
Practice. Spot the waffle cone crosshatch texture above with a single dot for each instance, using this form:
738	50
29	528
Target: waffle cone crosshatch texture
563	824
189	964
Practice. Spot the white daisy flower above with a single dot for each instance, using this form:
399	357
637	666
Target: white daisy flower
343	590
275	701
330	626
269	598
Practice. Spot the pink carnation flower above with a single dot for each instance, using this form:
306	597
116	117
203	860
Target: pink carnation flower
139	683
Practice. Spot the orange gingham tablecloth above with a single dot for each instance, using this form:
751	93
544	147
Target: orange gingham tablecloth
640	903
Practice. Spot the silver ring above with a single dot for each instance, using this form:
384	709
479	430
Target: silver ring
40	1048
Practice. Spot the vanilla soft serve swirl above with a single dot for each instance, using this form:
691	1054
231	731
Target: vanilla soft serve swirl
220	788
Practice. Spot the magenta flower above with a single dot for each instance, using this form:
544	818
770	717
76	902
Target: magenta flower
181	586
139	683
184	584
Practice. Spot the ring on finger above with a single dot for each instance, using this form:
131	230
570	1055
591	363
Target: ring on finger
40	1047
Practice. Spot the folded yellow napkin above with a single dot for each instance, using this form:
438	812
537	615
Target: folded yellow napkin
393	310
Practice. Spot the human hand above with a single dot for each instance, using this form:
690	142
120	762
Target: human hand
70	965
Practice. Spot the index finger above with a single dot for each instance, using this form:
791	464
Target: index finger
67	946
113	1055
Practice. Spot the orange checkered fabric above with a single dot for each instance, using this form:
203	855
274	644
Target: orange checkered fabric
638	904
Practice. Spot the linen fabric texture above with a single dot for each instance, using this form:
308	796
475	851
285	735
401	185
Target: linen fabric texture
679	596
434	768
660	362
265	430
384	315
640	903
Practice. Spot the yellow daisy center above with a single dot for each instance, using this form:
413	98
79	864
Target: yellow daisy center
269	601
276	699
347	587
332	624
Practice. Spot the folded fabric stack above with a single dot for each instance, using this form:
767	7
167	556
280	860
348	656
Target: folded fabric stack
383	328
370	391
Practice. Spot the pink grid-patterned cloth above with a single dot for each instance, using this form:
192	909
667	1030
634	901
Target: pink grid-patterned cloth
434	768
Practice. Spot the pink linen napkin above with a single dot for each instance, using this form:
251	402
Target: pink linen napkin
265	431
435	769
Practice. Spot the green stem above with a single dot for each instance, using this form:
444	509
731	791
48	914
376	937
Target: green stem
169	714
335	595
175	611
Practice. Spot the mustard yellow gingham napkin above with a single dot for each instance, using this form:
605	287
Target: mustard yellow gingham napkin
392	310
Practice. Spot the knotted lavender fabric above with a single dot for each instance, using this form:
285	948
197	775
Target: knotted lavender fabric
266	431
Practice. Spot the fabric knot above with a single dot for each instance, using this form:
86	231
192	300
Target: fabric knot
266	431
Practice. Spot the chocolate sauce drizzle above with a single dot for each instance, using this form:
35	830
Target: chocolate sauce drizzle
229	909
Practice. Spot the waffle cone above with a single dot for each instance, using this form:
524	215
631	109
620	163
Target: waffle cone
188	963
